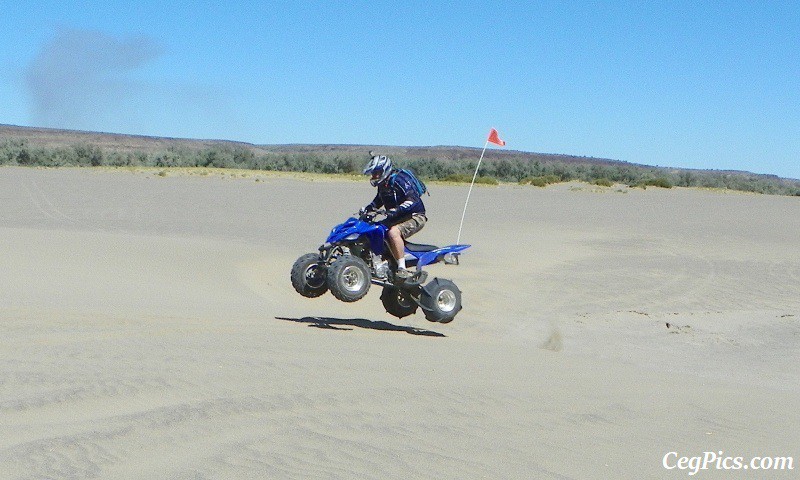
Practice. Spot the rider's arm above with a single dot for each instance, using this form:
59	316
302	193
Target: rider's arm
407	196
375	204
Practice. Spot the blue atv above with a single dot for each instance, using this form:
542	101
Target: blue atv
356	255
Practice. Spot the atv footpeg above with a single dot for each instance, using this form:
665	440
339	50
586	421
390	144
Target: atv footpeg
417	279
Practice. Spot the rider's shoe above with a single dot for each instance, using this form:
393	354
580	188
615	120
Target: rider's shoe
409	278
403	274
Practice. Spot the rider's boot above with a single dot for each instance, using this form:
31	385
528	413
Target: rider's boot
403	274
409	278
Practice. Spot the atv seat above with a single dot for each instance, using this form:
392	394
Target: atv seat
419	247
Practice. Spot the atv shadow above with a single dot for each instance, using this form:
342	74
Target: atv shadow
335	324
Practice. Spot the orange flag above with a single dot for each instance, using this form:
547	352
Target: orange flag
494	138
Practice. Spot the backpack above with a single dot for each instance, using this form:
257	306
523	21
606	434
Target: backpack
419	185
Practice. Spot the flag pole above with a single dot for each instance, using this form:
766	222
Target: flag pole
470	191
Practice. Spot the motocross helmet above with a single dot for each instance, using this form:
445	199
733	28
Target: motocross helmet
379	167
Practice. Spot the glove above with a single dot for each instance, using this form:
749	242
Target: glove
391	214
364	210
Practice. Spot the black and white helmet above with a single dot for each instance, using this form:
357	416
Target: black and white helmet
379	168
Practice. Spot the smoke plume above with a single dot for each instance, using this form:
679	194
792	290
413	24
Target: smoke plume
81	77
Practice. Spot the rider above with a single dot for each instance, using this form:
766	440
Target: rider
404	208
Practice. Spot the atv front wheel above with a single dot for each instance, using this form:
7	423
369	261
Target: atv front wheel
349	278
440	300
308	276
398	302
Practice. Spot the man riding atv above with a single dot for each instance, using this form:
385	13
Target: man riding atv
401	200
360	252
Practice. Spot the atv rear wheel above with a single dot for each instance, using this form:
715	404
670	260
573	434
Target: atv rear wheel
308	276
440	300
349	278
398	302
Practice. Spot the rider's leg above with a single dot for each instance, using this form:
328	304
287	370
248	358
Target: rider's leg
397	235
396	246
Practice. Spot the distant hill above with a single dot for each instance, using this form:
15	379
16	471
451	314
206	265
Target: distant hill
54	147
56	138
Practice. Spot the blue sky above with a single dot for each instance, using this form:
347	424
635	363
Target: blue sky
674	83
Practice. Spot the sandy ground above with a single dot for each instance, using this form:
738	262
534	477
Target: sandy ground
148	329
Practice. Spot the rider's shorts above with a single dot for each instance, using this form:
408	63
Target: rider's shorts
412	225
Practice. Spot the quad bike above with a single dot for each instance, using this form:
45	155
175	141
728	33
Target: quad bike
356	255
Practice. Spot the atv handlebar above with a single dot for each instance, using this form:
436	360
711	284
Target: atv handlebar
369	215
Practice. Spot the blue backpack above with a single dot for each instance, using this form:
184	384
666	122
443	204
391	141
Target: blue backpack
419	185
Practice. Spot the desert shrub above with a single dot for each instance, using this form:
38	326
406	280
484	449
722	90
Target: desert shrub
15	152
458	178
87	155
464	178
660	182
651	182
167	159
217	158
24	157
504	169
535	181
242	157
53	158
435	169
540	181
345	165
539	170
600	172
686	179
486	180
603	182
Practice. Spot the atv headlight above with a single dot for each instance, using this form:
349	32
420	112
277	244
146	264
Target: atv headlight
352	236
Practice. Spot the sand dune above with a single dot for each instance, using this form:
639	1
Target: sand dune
149	330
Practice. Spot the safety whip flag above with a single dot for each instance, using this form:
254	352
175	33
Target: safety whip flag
494	137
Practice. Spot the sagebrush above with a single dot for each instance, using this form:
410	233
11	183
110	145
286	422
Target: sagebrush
524	171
